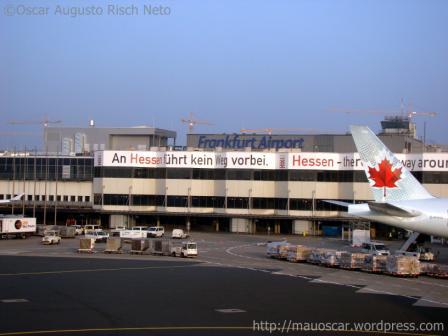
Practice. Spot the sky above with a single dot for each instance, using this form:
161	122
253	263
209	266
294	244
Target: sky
234	63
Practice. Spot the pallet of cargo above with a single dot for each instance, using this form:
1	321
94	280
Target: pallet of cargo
273	248
402	266
298	253
434	270
330	258
283	252
319	256
352	261
375	263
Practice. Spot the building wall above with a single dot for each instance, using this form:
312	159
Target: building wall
88	139
276	190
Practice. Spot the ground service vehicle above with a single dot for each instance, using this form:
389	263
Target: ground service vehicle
156	231
187	249
20	227
135	232
99	236
425	254
92	227
420	252
79	230
178	234
375	248
51	237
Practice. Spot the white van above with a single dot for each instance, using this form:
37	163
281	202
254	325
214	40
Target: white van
375	248
178	234
156	231
91	228
98	235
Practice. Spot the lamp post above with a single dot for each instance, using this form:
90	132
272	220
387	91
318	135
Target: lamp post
249	205
129	205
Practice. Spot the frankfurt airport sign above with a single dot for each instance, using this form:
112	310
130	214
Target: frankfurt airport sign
236	141
260	160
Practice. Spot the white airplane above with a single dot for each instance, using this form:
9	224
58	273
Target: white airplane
400	200
17	198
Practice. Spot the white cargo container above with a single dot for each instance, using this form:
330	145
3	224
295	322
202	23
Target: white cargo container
17	226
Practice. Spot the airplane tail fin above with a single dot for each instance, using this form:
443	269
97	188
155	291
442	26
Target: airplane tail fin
388	178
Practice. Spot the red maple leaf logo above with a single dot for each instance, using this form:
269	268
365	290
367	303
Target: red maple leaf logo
385	177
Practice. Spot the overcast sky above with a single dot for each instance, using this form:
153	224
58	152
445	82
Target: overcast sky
237	64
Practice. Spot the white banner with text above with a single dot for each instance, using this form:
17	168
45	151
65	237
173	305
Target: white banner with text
260	160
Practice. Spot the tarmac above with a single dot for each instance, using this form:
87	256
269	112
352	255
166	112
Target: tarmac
231	288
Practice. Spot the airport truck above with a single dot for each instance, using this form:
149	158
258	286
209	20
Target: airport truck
186	250
51	237
178	234
134	233
20	227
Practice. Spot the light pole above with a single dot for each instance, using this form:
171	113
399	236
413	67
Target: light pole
225	198
287	201
129	205
249	205
166	198
189	199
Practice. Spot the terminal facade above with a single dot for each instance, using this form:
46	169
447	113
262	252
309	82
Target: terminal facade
248	190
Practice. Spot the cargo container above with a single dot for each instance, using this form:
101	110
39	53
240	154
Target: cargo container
20	227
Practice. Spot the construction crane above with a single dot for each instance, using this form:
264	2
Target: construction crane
270	130
409	113
404	117
429	114
21	134
44	122
191	121
359	111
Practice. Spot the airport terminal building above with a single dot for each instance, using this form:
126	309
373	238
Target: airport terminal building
247	183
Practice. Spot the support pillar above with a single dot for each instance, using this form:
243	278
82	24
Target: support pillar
188	224
216	222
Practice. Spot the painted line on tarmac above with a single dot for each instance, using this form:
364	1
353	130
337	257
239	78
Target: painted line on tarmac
98	270
229	251
187	328
426	283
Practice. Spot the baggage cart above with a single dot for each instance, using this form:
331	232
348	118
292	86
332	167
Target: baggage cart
86	245
139	246
113	245
161	247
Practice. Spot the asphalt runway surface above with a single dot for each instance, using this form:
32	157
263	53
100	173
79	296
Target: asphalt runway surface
96	296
